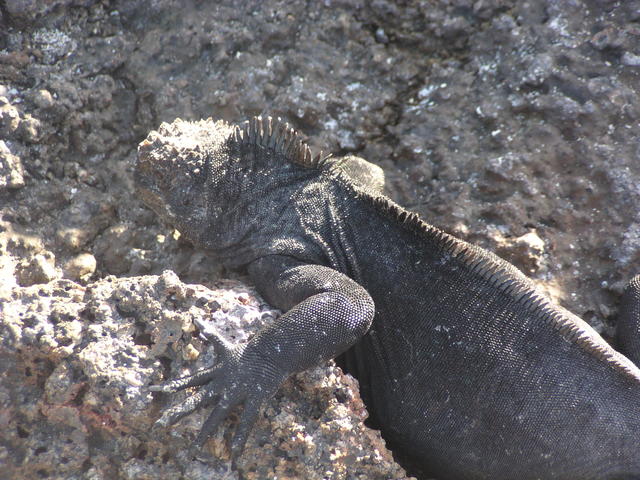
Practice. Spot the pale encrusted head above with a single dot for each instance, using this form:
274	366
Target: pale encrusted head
172	169
216	183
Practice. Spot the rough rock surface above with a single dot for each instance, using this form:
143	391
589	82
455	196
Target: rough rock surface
510	123
76	361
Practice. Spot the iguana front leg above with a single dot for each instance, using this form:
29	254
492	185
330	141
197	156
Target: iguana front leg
326	313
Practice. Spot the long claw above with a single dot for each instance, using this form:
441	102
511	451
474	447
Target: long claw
221	346
175	413
199	378
247	420
159	388
218	414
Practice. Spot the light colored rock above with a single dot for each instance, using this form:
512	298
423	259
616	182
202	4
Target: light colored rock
11	170
40	268
43	99
9	120
82	358
80	267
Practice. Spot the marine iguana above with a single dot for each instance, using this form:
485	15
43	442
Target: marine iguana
467	369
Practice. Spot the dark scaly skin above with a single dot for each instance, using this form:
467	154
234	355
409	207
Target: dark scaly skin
469	372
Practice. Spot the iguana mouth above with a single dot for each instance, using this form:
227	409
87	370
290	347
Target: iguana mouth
155	201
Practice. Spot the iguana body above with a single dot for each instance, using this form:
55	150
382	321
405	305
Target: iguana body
468	371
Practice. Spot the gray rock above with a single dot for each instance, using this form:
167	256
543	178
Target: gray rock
11	170
24	11
9	120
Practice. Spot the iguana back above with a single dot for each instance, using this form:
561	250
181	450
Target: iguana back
471	369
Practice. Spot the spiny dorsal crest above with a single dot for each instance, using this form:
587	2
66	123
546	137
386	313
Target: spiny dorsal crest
278	136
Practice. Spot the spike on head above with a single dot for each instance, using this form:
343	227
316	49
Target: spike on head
288	136
294	143
259	130
268	130
245	131
252	130
278	137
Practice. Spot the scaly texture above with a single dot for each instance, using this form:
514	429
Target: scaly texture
466	368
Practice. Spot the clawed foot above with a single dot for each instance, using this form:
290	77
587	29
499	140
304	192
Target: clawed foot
238	378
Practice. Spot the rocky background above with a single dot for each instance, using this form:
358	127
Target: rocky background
512	124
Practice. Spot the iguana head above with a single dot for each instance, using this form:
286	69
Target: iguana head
172	169
217	183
